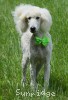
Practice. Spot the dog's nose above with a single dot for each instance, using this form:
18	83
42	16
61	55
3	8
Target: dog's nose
32	29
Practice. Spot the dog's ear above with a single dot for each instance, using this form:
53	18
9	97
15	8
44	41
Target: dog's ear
23	22
20	19
46	20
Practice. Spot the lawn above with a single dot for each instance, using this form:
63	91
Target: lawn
10	52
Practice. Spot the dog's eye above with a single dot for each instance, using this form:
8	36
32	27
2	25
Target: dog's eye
29	18
37	18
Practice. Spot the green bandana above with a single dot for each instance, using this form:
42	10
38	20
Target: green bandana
44	41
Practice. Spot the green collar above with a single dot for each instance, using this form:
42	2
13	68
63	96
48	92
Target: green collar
44	41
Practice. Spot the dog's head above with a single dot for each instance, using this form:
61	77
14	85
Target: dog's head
32	18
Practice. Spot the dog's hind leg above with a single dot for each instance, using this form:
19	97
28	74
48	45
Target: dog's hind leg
38	67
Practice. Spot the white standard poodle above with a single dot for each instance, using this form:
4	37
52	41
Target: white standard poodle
33	23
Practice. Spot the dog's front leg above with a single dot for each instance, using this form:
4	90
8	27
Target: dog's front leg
33	75
24	67
46	75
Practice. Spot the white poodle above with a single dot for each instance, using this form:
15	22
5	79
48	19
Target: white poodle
33	23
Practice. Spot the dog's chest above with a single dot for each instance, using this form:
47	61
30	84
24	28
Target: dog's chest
38	51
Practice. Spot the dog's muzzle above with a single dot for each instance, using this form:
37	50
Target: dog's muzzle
33	29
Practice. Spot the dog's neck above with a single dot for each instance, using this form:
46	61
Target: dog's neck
39	34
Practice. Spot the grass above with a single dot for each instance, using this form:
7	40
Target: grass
10	52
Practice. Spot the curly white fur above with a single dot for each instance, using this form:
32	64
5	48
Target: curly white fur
34	21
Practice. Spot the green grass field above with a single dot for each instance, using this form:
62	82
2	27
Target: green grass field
10	52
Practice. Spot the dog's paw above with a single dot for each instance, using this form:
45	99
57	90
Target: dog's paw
34	86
